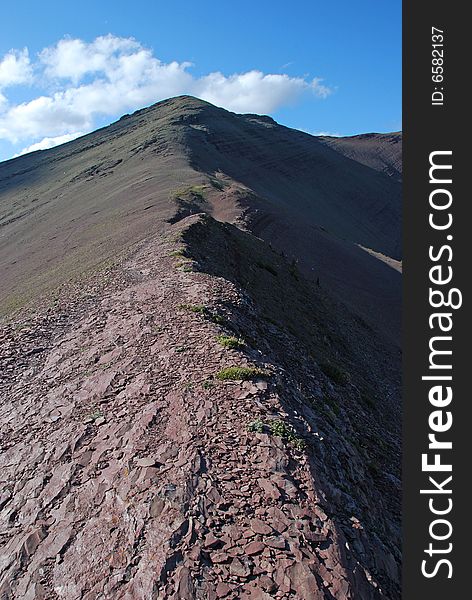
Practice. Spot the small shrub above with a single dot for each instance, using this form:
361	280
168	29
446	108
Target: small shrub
286	432
256	426
185	264
267	267
186	268
195	308
229	341
178	253
368	400
238	373
293	269
217	319
335	373
334	406
95	415
216	183
197	191
205	312
280	429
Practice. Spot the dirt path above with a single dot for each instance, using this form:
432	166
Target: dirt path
129	471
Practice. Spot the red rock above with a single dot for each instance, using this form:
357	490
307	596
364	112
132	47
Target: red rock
258	526
145	462
33	540
233	532
211	541
238	568
194	553
275	541
185	590
254	548
279	526
270	489
222	589
219	557
304	583
315	537
267	583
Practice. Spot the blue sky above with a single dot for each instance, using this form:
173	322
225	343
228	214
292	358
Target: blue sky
67	68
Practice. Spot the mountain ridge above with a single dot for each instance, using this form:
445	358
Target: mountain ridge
200	382
291	177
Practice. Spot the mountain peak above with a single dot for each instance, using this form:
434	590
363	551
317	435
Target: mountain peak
182	104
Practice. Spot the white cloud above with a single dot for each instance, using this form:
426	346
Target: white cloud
15	68
111	75
50	142
321	90
253	91
324	133
73	58
320	133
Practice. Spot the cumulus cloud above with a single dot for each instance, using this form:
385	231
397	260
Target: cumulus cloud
73	58
50	142
111	75
324	133
255	92
15	68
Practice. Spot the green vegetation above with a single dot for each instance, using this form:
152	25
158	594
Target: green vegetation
333	405
218	319
95	415
267	267
205	312
238	373
229	341
186	267
280	429
217	184
178	253
293	269
256	426
286	432
335	373
196	191
195	308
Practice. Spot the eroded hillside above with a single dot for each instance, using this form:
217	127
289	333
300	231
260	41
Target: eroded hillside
66	210
182	428
200	392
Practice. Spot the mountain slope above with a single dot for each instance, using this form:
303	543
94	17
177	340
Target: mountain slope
380	151
188	409
289	188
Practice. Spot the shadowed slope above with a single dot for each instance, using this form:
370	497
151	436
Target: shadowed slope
67	210
380	151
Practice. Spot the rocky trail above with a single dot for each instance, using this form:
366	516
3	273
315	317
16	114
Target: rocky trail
136	464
